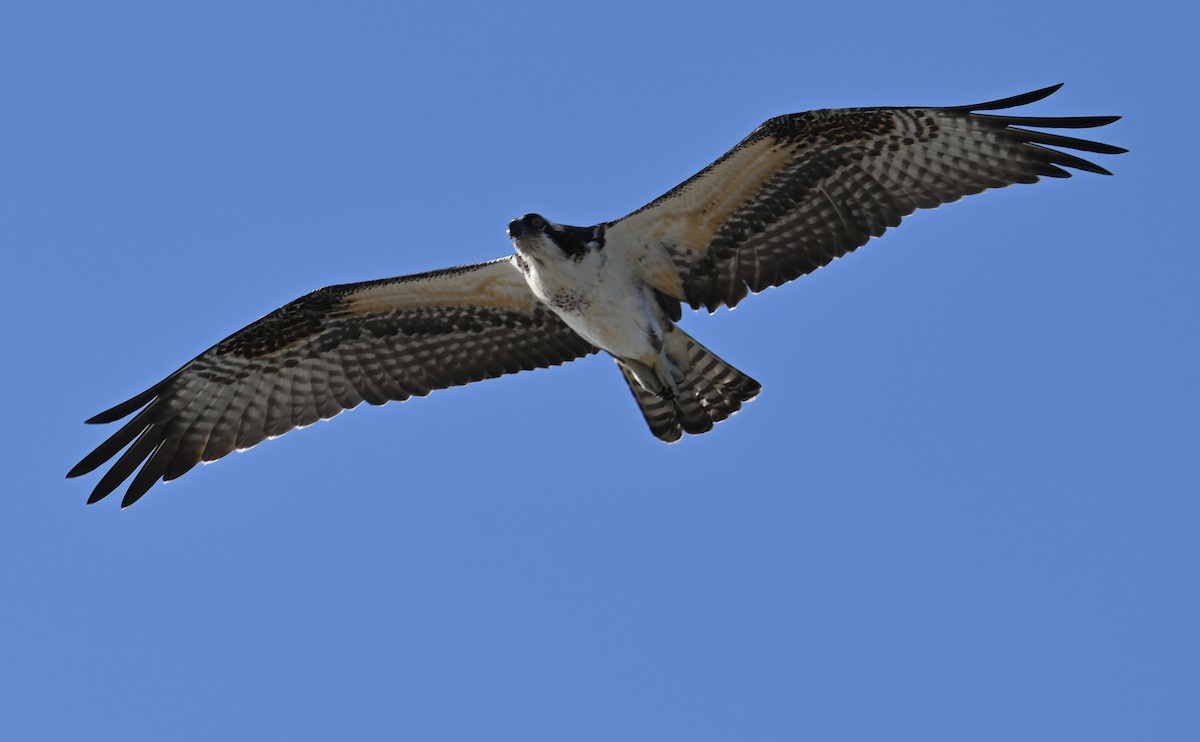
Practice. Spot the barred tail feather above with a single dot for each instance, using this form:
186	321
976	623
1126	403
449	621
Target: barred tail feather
710	391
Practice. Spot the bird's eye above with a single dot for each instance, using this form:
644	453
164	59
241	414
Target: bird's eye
536	222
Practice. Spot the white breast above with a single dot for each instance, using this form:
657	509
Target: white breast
603	300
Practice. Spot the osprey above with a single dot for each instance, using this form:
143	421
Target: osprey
799	191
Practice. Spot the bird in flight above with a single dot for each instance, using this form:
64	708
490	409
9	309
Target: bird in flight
799	191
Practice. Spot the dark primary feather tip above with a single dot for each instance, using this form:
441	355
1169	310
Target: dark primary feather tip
1058	140
141	485
108	416
79	470
1079	122
114	414
1012	101
1054	122
1056	157
129	406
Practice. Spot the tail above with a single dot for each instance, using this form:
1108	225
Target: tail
709	391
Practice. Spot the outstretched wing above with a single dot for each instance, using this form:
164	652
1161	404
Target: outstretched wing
327	352
806	188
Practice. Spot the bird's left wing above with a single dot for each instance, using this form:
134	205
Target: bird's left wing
327	352
806	188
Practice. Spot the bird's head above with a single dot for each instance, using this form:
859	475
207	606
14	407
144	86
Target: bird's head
535	236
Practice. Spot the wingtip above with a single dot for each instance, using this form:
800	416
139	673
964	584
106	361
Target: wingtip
1014	100
141	485
77	471
1040	93
101	492
114	414
131	405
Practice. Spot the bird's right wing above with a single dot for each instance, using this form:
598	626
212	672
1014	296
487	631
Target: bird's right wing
327	352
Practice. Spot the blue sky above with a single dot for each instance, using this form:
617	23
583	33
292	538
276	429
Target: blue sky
964	506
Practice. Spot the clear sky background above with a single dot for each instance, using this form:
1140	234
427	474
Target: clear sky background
965	506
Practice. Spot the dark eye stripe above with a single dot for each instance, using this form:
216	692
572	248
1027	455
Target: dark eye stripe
568	241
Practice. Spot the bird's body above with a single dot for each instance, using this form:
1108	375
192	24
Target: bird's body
800	191
598	289
595	289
